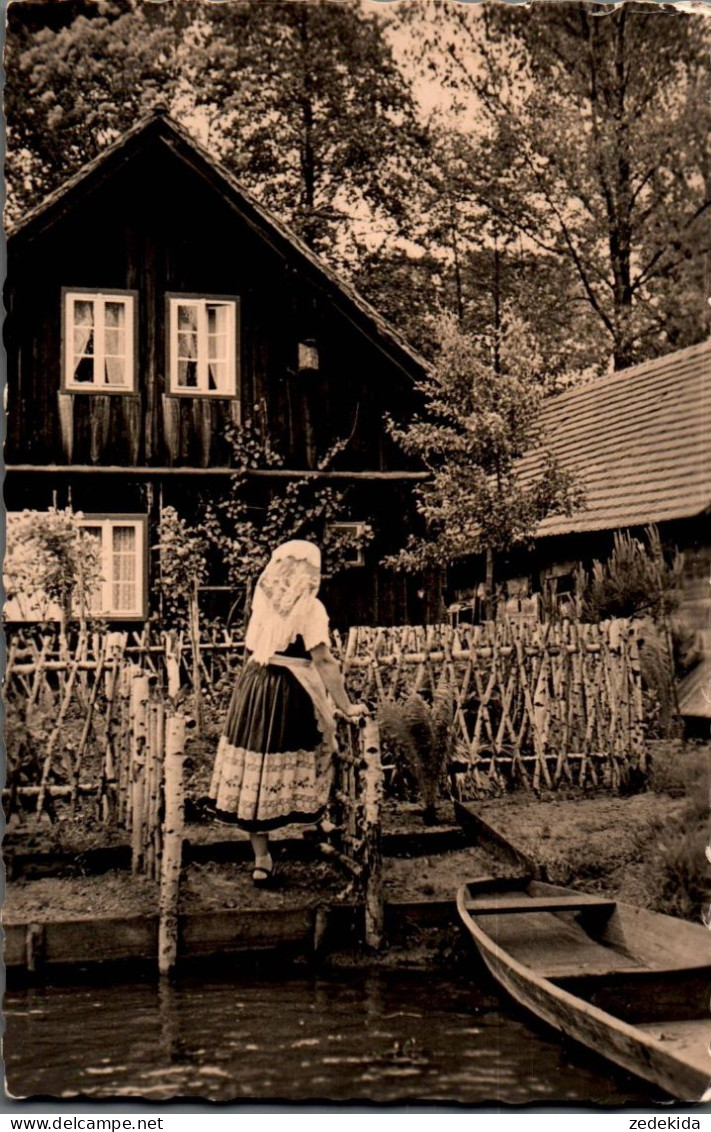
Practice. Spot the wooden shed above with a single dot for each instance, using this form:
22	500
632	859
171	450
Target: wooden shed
639	442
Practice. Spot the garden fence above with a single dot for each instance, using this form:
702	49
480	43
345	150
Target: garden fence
539	704
103	724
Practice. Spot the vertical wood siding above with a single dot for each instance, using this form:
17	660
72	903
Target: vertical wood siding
156	228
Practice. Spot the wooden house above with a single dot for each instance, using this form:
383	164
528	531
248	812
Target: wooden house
639	442
151	303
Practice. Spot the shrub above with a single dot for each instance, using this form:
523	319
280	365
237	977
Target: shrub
636	581
421	736
675	875
680	770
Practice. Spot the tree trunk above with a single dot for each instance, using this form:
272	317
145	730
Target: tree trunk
496	296
621	259
307	155
612	159
489	599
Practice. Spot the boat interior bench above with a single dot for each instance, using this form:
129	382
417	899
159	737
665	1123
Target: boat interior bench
520	904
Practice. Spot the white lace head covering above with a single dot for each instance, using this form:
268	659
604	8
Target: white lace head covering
283	596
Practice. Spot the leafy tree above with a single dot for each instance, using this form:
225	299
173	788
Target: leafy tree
584	132
244	535
302	101
480	420
52	564
484	265
312	111
72	90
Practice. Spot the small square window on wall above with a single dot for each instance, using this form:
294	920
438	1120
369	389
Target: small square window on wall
354	554
203	354
308	357
99	332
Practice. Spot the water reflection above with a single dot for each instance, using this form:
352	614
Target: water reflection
381	1036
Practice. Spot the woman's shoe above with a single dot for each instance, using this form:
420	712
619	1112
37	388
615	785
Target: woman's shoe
263	875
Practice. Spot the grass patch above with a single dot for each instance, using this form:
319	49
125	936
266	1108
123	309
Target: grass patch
675	874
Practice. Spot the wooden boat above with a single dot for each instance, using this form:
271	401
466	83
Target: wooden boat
630	984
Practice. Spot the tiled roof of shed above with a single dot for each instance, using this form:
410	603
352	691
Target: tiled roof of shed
639	442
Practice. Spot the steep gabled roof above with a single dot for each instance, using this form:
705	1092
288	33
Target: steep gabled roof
639	441
159	128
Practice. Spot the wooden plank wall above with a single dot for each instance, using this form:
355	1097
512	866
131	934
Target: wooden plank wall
156	227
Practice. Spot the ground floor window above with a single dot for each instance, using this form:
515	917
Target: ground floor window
122	546
119	547
561	589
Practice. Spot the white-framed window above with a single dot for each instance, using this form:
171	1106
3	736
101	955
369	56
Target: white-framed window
99	341
202	345
355	552
122	547
121	593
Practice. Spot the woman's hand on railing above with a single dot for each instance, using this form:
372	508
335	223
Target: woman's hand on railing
357	712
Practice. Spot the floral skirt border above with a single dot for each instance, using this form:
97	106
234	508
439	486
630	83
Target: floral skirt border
260	792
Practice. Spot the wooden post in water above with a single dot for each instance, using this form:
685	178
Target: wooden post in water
372	801
172	842
137	778
194	617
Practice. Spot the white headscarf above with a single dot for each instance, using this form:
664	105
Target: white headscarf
283	598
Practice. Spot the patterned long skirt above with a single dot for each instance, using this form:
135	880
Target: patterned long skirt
272	767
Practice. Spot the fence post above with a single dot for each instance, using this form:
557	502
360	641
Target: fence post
137	772
172	842
372	801
637	730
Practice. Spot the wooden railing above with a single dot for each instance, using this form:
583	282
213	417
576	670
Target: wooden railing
355	810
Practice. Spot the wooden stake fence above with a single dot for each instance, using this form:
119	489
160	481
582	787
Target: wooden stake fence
537	704
70	710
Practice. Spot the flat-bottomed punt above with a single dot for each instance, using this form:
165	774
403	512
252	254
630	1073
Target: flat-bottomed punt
630	984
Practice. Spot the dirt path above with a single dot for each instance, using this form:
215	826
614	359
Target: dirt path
594	843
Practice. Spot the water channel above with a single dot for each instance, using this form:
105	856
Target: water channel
384	1036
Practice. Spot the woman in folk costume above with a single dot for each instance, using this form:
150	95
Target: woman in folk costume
275	757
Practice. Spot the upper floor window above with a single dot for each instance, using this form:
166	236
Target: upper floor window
202	345
99	341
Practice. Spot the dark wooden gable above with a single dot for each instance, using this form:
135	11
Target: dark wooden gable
156	215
